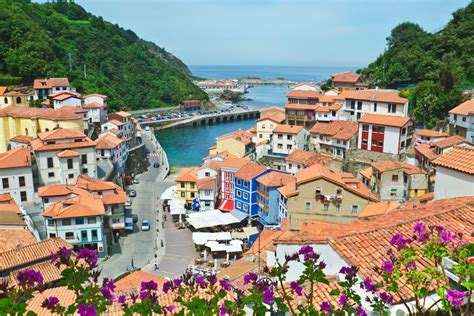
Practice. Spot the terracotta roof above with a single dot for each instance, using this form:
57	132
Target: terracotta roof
8	204
287	129
122	114
3	89
83	204
294	106
240	135
250	171
464	108
387	165
459	159
22	139
449	141
426	150
112	199
63	95
49	83
66	297
61	133
235	162
95	185
388	96
387	120
275	117
92	105
68	154
33	113
366	173
15	158
72	109
107	141
327	109
327	98
134	280
343	130
238	269
206	183
48	270
103	96
307	158
304	94
41	143
347	76
10	218
426	197
15	238
114	131
379	208
115	122
31	253
56	190
276	179
430	133
188	175
287	189
212	164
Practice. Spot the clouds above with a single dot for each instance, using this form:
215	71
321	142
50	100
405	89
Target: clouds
272	32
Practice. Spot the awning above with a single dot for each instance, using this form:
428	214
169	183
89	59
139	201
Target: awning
202	238
239	215
176	207
210	219
117	226
226	205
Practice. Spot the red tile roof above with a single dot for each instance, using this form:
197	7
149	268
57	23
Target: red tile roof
388	96
3	89
49	83
345	77
386	120
83	204
68	154
275	117
426	150
103	96
430	133
276	179
343	130
250	171
287	129
304	94
464	108
92	105
459	159
107	141
307	158
235	162
56	190
11	239
22	139
61	133
379	208
116	122
41	143
212	164
34	113
15	158
64	95
388	165
188	175
206	183
294	106
449	141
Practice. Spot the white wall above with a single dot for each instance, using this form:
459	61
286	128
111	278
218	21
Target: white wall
451	183
368	107
391	139
13	175
461	120
75	102
297	141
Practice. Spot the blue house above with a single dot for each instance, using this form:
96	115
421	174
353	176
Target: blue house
245	188
268	195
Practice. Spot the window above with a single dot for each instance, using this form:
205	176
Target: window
70	176
280	136
23	196
317	190
289	137
338	207
50	222
359	105
21	181
364	142
5	183
338	191
365	127
207	174
395	178
94	234
83	235
290	166
289	147
207	192
404	131
280	146
50	162
246	184
192	185
246	196
392	108
69	235
91	220
66	222
374	142
239	182
263	126
84	158
375	107
193	194
464	119
239	193
70	163
393	192
246	207
183	185
326	207
260	135
84	170
355	209
308	206
239	205
402	144
183	194
380	144
352	106
51	235
80	221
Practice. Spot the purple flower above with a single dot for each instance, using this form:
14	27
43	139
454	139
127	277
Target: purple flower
421	231
369	285
222	310
86	310
293	257
166	286
225	285
326	307
445	237
90	256
456	298
200	280
62	255
29	277
387	266
149	286
399	241
177	282
360	311
50	303
121	299
268	296
386	298
170	308
410	264
144	294
305	249
322	265
212	279
251	277
342	300
349	272
107	293
295	287
109	283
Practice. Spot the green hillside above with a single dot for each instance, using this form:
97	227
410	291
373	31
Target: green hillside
436	67
36	40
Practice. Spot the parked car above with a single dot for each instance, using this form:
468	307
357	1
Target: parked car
145	225
136	181
128	203
134	217
156	165
132	193
129	224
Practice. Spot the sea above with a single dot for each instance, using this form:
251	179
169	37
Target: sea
186	146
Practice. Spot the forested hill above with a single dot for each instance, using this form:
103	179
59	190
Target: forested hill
36	40
440	64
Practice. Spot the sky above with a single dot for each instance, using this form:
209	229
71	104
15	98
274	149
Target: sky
272	32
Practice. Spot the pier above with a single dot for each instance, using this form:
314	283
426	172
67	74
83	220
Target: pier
256	82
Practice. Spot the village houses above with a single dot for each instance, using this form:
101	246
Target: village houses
96	106
245	188
300	159
461	119
229	168
123	121
44	87
334	138
186	185
348	81
109	146
238	143
286	138
16	174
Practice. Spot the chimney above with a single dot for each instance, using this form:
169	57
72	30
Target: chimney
18	245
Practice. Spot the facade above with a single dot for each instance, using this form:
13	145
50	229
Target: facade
238	143
245	189
454	173
65	98
17	98
128	126
385	133
320	193
426	135
16	174
287	138
300	159
207	192
265	126
62	155
190	105
44	87
30	121
301	106
109	146
20	141
186	185
460	118
228	170
96	106
268	197
348	81
379	102
334	138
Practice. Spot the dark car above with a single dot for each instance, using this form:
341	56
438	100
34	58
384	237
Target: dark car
156	165
132	193
134	217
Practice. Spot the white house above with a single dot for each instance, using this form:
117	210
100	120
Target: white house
45	87
300	159
16	174
459	118
385	133
128	126
375	101
265	126
65	98
424	136
334	138
96	105
64	154
108	146
455	173
207	193
286	138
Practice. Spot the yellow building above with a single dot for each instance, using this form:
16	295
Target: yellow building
17	98
238	143
186	185
30	121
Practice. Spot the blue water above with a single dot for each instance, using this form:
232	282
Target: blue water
264	96
293	73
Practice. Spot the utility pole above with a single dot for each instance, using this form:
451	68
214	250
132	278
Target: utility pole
85	71
70	61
